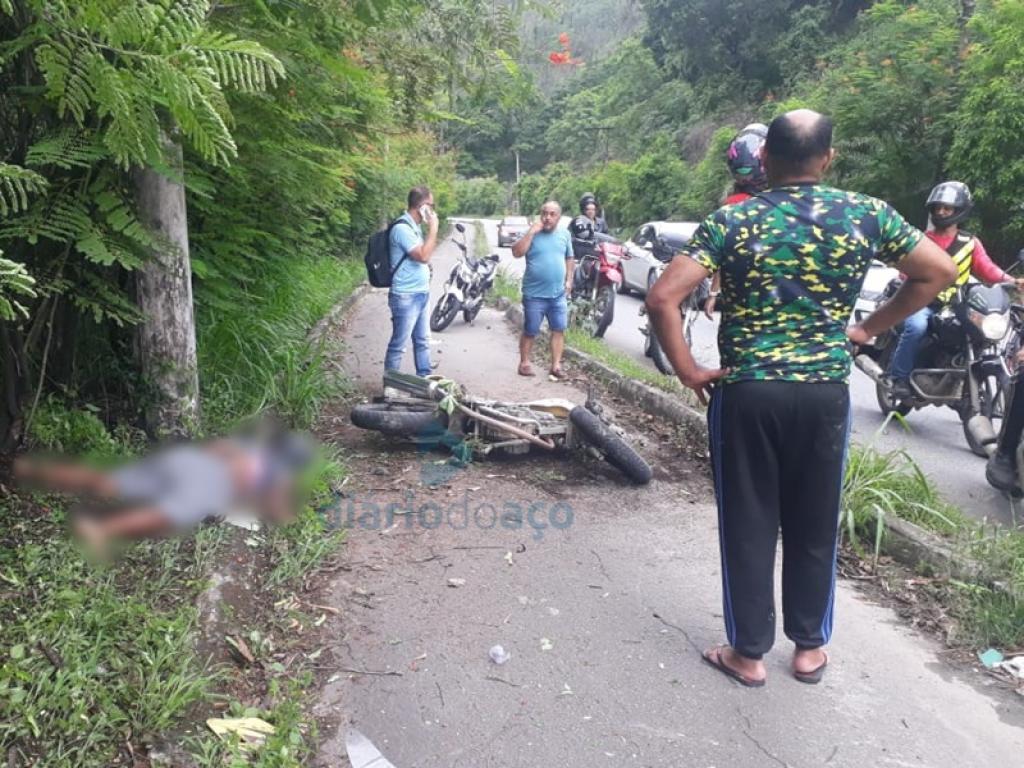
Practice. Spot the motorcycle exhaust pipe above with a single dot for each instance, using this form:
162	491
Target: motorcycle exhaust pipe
869	366
980	427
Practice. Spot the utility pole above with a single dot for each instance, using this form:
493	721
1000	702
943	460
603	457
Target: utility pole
515	200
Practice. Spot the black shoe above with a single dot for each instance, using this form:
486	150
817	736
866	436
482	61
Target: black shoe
1001	473
901	390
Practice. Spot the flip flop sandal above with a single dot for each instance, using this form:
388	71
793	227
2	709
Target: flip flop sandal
558	375
714	658
814	676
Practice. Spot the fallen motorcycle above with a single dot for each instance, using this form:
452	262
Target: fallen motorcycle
466	287
430	409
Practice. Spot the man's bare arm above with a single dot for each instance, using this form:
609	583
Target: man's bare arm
678	281
929	270
425	250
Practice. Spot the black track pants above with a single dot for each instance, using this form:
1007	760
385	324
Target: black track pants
778	450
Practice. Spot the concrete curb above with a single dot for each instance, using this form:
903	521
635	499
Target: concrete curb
334	318
659	404
904	541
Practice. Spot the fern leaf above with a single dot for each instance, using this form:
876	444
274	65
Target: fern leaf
241	64
69	148
16	184
14	281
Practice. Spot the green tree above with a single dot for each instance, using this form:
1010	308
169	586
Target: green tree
892	91
988	144
739	49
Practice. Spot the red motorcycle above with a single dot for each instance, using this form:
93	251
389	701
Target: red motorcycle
595	282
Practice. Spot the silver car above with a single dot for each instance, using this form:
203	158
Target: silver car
511	229
650	249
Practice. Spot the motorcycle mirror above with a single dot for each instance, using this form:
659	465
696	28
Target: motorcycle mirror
1020	255
460	226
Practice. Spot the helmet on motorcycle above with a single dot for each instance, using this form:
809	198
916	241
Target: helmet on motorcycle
586	200
744	157
955	195
582	228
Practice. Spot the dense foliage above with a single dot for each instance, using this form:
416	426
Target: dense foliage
303	125
919	91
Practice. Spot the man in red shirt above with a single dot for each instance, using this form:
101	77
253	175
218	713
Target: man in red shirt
948	204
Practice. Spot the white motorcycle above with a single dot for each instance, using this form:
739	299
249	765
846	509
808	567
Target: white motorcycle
467	285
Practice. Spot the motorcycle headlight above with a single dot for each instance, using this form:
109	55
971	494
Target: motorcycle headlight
993	327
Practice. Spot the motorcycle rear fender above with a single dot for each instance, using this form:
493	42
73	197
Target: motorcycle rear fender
614	274
556	406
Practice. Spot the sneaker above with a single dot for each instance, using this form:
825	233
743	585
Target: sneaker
901	390
1001	473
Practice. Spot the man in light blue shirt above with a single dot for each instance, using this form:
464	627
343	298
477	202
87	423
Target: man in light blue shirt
410	285
547	282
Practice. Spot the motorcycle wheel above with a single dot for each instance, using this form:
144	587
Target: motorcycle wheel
652	278
883	394
615	450
444	312
469	315
400	420
991	393
604	308
886	404
658	355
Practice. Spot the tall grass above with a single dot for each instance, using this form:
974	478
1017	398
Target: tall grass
881	486
253	352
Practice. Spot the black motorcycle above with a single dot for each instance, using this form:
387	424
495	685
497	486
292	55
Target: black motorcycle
961	363
466	288
691	309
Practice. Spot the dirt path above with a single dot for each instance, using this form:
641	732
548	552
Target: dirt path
603	594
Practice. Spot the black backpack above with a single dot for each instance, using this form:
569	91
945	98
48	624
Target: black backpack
378	257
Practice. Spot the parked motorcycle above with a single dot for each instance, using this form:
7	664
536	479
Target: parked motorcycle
466	287
595	282
433	410
691	310
961	363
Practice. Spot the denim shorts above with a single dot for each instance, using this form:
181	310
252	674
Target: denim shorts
535	310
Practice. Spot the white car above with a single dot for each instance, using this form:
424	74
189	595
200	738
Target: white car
875	281
650	249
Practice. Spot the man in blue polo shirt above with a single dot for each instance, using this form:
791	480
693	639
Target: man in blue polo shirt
410	286
547	282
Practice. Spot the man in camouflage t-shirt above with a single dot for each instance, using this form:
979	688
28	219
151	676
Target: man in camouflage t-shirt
791	259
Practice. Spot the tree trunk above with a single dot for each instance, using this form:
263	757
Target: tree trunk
167	336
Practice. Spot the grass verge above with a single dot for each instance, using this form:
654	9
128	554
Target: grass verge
622	363
97	662
989	608
96	658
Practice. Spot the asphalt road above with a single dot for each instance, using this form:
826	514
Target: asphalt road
604	608
935	438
